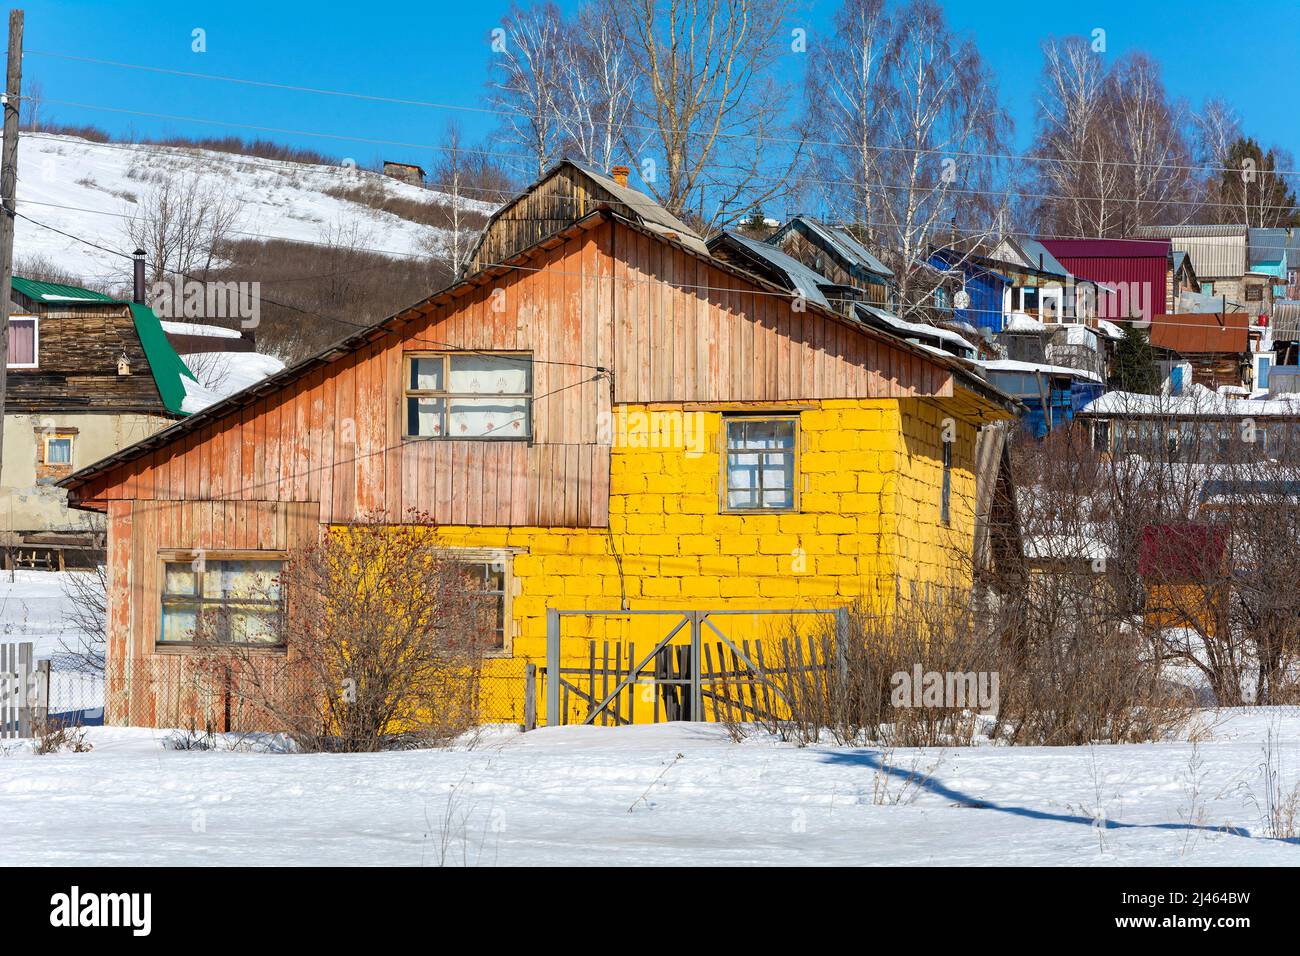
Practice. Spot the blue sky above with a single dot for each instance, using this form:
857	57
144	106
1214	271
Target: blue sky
439	52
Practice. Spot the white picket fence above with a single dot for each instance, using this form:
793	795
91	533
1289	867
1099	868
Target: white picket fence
22	691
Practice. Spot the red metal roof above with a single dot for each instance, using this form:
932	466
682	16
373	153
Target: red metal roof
1137	267
1198	333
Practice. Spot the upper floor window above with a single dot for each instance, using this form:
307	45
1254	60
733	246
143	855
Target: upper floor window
469	395
22	341
759	466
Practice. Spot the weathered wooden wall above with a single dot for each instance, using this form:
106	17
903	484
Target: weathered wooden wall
672	326
170	687
77	352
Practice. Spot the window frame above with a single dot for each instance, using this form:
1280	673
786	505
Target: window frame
174	556
58	436
36	341
505	557
945	492
795	482
408	358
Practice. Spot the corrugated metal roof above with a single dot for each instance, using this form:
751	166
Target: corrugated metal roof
1038	256
843	242
651	214
56	292
802	278
1268	245
1285	320
1191	230
1134	268
1201	333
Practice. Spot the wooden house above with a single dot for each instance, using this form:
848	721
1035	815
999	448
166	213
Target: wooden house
88	375
837	254
584	412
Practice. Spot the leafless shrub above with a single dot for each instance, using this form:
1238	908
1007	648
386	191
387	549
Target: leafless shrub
377	644
54	736
87	611
179	223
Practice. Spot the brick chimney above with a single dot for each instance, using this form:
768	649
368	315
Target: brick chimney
619	174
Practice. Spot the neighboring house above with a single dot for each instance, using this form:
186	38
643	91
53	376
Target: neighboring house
834	252
1218	345
1198	425
1052	394
405	172
88	375
980	302
1221	256
1285	328
1140	276
491	411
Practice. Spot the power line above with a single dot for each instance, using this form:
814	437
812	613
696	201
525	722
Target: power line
319	315
1012	157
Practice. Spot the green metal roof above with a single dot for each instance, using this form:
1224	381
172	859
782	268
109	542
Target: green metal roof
54	292
166	366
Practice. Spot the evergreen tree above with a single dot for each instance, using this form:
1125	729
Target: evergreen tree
1135	364
1251	191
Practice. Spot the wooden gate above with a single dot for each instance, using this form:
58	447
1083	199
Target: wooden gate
712	676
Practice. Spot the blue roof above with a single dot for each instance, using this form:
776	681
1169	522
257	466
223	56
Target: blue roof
801	277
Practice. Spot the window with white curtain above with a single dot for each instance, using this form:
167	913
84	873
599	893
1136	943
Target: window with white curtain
759	471
469	395
22	341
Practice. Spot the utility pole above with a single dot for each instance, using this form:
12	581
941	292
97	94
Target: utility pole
8	187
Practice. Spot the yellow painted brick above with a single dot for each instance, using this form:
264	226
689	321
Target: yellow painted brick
819	420
718	565
819	502
698	544
777	543
661	587
683	524
834	565
759	524
837	524
699	504
738	544
645	524
738	587
758	565
700	587
778	586
659	544
819	543
797	523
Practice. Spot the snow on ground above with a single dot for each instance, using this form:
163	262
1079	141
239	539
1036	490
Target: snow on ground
92	189
647	795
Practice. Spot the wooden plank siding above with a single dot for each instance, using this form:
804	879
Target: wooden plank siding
673	326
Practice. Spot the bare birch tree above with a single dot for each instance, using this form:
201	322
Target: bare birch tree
708	119
596	86
180	223
526	76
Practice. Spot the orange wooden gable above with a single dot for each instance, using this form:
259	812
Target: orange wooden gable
611	312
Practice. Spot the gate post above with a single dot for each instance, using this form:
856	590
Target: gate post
552	667
697	696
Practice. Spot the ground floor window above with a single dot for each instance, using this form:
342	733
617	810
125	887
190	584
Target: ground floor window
225	599
759	469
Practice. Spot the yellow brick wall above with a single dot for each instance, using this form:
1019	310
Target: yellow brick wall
867	524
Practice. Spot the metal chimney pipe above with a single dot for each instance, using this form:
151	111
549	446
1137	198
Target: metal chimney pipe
138	291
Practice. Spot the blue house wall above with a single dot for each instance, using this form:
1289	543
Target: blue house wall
984	287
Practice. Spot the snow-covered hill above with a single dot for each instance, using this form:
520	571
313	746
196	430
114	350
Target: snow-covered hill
91	190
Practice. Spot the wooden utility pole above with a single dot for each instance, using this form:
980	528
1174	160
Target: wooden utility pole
8	187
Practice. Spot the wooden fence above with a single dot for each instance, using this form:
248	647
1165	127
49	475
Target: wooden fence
22	692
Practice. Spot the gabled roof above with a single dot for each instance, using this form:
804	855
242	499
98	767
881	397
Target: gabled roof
638	206
53	292
1215	250
798	275
357	340
1032	254
1108	248
839	241
165	365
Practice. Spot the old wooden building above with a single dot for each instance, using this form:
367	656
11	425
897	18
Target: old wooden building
88	375
504	411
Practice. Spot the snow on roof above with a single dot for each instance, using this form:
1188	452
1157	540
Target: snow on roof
224	373
1196	400
1110	329
1014	365
915	328
192	328
1022	322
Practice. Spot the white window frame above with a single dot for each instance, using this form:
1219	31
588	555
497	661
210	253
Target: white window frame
36	341
724	488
